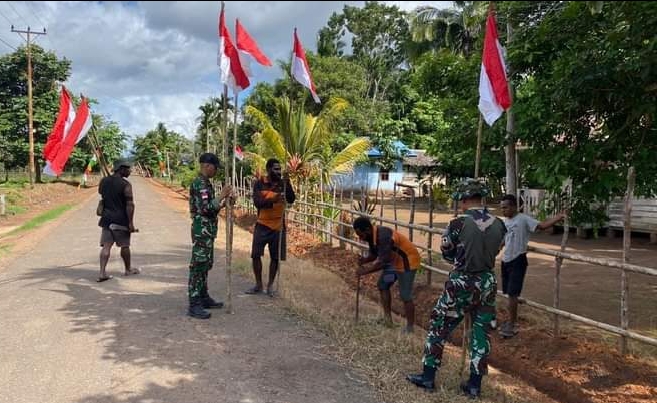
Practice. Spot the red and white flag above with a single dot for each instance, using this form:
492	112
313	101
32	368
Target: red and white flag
78	130
494	94
248	49
239	154
60	129
232	73
300	68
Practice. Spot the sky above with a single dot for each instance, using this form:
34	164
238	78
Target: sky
150	62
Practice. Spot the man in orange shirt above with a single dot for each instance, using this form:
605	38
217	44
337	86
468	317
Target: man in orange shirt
398	258
268	199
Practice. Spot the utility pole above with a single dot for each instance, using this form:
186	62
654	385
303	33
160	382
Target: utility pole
30	123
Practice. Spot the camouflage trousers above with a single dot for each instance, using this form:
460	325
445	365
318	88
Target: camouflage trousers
472	293
200	264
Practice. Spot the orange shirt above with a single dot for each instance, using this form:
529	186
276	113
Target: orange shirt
270	212
391	246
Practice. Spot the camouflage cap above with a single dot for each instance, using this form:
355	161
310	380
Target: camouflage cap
469	188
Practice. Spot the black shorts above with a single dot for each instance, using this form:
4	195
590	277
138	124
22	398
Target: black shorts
513	275
263	236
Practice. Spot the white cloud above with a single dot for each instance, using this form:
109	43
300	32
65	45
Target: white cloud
150	62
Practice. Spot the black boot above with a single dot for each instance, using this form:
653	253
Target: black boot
472	388
207	301
196	309
426	380
210	303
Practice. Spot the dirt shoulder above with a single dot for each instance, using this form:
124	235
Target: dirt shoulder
325	298
579	366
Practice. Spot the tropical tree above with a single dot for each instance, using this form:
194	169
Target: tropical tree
457	30
303	140
48	71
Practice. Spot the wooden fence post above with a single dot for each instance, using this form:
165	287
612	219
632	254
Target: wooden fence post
627	244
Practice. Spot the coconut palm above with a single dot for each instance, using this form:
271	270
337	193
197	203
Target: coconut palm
302	140
448	28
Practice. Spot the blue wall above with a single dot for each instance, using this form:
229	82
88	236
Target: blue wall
366	175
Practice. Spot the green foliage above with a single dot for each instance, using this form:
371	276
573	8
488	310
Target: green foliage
48	70
586	97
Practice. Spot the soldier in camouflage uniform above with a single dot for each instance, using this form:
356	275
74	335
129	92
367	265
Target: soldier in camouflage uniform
470	242
204	209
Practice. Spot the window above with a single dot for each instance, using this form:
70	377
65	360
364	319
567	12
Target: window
384	174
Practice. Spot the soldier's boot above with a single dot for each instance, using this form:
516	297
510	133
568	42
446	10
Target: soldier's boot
472	388
209	302
196	309
425	380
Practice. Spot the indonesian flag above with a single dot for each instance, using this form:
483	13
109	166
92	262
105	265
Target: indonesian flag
248	49
494	94
232	73
60	129
239	154
300	68
78	130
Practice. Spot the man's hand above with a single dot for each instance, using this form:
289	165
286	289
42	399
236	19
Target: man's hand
226	191
361	271
131	228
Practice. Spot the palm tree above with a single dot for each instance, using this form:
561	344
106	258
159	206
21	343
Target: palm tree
209	130
303	140
448	28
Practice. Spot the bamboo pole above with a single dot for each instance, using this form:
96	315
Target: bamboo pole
556	301
627	244
394	203
429	234
480	129
229	208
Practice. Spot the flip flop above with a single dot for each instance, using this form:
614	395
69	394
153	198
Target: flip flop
132	271
101	279
253	290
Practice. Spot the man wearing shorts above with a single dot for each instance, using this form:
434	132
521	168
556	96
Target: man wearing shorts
117	216
268	193
514	259
397	258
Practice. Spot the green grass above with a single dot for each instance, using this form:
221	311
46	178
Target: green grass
12	210
5	250
43	218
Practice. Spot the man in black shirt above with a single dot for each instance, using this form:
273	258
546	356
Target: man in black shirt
116	219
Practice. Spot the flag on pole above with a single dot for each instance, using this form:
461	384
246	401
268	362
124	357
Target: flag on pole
494	94
232	73
239	154
248	49
300	68
78	130
60	129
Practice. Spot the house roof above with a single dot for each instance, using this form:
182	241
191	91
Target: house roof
400	147
419	158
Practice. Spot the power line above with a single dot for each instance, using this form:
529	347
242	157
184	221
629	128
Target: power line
17	13
30	7
6	18
6	43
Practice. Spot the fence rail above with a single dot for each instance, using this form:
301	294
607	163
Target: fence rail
314	217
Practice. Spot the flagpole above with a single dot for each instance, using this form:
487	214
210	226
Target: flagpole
229	206
480	130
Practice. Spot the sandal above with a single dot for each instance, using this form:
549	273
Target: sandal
132	271
101	279
253	290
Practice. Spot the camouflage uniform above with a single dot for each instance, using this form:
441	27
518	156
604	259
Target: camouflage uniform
204	209
471	287
470	242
